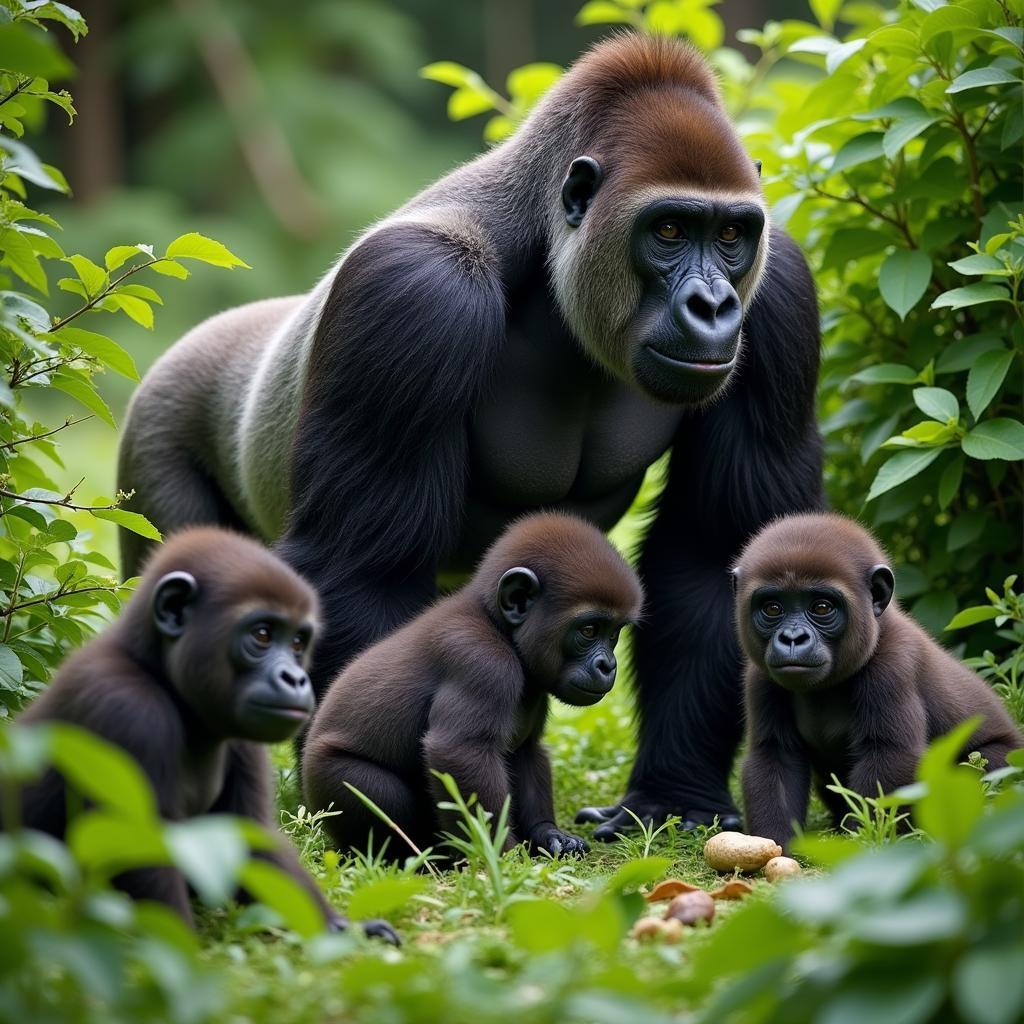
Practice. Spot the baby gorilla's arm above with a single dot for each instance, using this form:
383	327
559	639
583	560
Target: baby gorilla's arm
533	803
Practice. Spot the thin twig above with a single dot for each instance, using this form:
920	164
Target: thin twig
69	422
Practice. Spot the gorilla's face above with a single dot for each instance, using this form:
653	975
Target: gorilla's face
690	254
655	284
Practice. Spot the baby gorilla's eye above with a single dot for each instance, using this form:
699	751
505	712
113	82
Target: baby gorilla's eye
772	609
822	607
730	233
261	634
298	645
588	632
668	229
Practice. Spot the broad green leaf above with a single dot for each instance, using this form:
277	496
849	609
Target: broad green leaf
903	279
138	309
447	72
84	393
170	269
904	131
858	150
907	999
110	843
985	379
949	482
527	84
840	54
194	246
903	466
1001	438
11	672
933	915
209	851
988	984
108	352
981	77
887	373
938	403
971	295
279	891
972	616
637	872
120	254
542	926
603	12
965	529
132	521
384	897
22	161
498	127
825	12
102	772
93	277
468	102
964	352
979	263
946	19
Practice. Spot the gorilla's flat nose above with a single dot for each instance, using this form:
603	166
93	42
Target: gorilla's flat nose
709	314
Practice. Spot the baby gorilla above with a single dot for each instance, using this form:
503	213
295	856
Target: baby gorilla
206	664
464	689
839	680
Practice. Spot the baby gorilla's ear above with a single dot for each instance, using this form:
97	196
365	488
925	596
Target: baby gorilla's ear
883	585
171	599
518	588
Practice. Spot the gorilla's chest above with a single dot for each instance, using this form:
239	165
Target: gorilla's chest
554	430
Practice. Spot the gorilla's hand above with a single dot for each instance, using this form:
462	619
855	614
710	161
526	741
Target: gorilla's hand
616	818
557	843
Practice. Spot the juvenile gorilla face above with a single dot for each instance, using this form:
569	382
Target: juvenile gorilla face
588	666
689	254
801	630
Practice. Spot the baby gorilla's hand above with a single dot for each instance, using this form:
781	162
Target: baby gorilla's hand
556	842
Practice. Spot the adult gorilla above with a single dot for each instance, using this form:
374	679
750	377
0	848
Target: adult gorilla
532	331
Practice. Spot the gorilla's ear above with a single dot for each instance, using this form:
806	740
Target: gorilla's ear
517	590
171	599
581	183
883	586
757	167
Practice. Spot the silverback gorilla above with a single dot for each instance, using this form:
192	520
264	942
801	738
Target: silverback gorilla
531	331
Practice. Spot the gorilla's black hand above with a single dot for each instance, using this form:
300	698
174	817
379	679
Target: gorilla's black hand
375	929
616	818
556	842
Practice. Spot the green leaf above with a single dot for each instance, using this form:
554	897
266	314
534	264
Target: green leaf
132	521
903	131
887	373
84	393
447	72
964	352
194	246
527	84
840	54
972	616
170	269
988	984
32	54
102	772
906	999
121	254
903	279
903	466
272	887
986	378
965	529
102	348
23	162
971	295
858	150
541	926
11	672
209	851
938	403
1001	438
109	843
949	482
384	897
93	277
825	12
981	77
603	12
946	19
138	309
468	102
637	872
979	263
930	917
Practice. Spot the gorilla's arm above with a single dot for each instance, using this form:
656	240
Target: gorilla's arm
413	320
748	458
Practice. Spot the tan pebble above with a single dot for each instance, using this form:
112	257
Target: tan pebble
781	867
691	907
734	851
669	889
734	889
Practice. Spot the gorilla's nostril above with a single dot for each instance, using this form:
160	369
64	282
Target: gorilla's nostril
700	307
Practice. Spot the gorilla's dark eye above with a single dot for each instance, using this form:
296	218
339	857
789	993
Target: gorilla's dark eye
298	644
588	632
668	229
822	607
730	233
262	635
772	609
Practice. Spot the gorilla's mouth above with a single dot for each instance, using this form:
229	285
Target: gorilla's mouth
292	712
701	367
577	695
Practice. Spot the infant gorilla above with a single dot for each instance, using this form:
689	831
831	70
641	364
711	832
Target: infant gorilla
838	679
464	689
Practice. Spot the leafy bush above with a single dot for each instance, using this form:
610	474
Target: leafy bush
892	151
54	586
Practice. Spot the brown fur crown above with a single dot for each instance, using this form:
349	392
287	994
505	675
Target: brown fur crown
812	548
573	560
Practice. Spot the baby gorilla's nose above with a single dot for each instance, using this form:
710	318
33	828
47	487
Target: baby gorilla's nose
793	639
603	670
